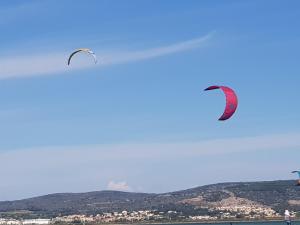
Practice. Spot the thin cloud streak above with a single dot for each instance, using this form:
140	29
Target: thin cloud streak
152	150
155	52
26	66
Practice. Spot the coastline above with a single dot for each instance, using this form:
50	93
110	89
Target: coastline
199	222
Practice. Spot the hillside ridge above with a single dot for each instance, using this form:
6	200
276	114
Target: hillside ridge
278	195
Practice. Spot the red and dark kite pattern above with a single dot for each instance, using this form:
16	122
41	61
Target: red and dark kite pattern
231	101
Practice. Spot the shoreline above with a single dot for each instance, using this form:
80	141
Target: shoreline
202	222
213	222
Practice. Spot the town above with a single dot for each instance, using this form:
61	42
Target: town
236	213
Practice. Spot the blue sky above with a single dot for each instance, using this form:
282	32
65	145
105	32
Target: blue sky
139	120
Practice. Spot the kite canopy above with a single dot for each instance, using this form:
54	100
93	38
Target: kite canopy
86	50
296	171
231	101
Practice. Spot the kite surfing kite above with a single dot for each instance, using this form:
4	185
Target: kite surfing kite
86	50
231	101
298	181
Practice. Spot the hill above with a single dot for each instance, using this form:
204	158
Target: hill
277	195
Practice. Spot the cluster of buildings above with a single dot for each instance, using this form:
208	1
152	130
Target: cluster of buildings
115	217
239	212
24	222
217	213
250	212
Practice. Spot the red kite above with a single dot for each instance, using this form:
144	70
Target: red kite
231	101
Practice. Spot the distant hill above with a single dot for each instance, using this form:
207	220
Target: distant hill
278	195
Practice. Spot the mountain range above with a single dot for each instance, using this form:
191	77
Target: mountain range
278	195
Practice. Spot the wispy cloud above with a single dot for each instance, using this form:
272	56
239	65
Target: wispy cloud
150	150
123	57
118	186
47	64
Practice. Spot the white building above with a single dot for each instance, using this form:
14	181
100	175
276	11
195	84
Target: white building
10	222
36	221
